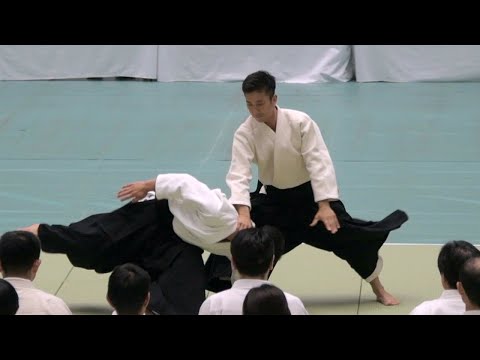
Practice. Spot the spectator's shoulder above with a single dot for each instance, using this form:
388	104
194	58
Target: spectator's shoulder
292	298
423	308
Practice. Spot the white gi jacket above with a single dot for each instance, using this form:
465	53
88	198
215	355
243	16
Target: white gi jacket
291	156
202	217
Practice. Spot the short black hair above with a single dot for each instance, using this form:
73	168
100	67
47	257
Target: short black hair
18	251
265	299
470	279
128	287
259	81
253	249
8	298
451	258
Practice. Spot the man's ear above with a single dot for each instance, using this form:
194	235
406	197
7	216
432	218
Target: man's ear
460	288
109	301
36	265
147	300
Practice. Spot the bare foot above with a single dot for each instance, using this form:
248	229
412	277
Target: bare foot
383	297
32	228
387	299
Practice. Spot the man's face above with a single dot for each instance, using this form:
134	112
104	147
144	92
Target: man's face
260	105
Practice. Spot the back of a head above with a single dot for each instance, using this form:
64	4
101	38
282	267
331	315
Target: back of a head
128	288
259	81
470	279
265	300
18	252
253	250
8	298
452	257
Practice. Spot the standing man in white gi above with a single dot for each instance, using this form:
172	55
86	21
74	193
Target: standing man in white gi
300	193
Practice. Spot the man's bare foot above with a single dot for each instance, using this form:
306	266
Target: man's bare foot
387	299
383	297
32	228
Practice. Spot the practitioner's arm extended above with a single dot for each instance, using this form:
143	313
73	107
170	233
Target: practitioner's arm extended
137	190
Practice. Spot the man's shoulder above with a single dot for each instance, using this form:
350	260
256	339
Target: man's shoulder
247	123
246	128
220	295
295	115
292	298
53	303
48	297
425	307
54	300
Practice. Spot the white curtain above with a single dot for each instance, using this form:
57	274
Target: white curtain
288	63
408	63
36	62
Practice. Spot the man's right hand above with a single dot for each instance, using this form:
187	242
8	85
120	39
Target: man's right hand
136	191
326	215
244	221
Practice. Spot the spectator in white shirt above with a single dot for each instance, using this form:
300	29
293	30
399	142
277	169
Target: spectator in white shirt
19	263
450	260
252	260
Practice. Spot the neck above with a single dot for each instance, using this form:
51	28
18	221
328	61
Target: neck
272	122
469	306
445	284
248	277
21	276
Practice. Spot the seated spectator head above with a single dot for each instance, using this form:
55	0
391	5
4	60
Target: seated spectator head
469	283
451	259
266	299
8	298
19	254
253	251
129	289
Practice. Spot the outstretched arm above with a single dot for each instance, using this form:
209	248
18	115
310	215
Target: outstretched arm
179	189
239	177
244	219
136	191
322	174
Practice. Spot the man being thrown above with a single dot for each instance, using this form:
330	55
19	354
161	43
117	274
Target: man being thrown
165	236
